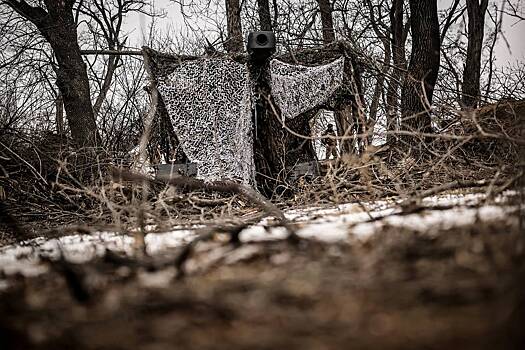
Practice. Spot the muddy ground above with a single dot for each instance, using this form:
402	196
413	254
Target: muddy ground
461	288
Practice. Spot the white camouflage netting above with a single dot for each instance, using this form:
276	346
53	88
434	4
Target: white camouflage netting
209	102
297	89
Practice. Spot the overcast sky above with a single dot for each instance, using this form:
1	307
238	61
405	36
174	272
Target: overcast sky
513	30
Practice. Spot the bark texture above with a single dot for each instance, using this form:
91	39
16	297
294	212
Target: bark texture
265	19
58	27
423	68
106	85
234	41
397	41
327	21
382	34
59	114
471	75
275	149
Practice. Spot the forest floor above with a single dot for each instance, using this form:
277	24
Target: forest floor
447	274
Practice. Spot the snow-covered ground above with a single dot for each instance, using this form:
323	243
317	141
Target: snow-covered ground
336	223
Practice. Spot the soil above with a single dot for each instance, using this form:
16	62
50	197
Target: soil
460	288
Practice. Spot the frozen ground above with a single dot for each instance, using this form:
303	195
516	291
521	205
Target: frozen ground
336	223
446	273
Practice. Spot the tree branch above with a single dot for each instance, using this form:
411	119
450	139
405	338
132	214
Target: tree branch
112	52
35	14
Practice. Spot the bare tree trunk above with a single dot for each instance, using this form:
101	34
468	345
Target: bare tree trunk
275	148
493	40
418	86
471	75
398	57
358	109
72	78
350	117
380	80
108	77
327	21
451	18
234	42
378	90
265	20
109	16
59	114
345	123
57	25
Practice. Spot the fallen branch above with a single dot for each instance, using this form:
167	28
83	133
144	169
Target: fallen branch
224	186
206	202
465	183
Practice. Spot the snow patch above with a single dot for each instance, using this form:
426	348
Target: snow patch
330	224
435	220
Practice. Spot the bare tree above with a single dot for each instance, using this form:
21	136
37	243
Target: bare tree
57	25
234	42
104	20
398	34
418	87
265	19
381	31
471	74
326	21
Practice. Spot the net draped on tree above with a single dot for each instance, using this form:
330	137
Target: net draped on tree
209	101
297	89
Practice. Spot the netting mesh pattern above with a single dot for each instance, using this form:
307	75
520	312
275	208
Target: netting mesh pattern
297	89
209	102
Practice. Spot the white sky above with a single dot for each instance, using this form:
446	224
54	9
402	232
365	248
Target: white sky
513	30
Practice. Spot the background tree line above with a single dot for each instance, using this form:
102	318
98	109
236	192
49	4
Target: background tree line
423	58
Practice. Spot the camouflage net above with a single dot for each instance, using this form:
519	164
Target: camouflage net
297	89
209	102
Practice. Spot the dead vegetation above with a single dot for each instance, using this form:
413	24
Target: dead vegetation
416	244
45	182
452	288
